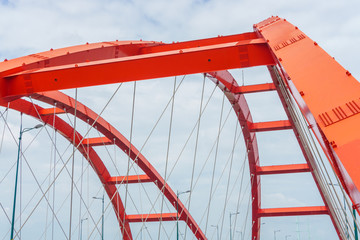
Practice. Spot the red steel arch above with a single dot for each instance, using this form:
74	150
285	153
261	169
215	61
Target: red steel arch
326	93
65	103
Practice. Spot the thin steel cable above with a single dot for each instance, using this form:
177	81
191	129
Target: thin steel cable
196	147
130	143
54	188
230	168
20	179
50	170
54	172
241	182
167	154
73	167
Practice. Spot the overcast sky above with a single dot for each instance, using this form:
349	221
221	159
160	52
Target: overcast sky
29	26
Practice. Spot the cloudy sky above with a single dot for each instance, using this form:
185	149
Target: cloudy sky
29	26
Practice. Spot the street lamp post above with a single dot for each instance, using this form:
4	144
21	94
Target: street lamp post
16	175
275	231
231	214
217	231
177	212
102	216
81	221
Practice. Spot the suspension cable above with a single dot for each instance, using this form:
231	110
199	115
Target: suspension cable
167	154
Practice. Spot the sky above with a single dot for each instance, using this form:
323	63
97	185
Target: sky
29	26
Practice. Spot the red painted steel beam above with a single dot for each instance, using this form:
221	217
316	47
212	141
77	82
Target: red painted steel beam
50	111
327	94
293	211
180	61
265	87
281	169
129	179
97	141
155	217
270	126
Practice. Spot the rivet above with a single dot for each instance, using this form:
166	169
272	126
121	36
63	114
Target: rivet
87	43
76	65
348	73
55	79
267	40
284	20
116	40
140	40
5	60
315	43
280	59
51	49
302	93
296	27
68	53
209	60
23	64
180	51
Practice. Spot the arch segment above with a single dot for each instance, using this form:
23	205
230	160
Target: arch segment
66	103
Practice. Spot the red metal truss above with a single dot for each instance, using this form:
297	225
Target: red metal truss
50	111
129	179
265	87
293	211
270	126
152	217
281	169
97	141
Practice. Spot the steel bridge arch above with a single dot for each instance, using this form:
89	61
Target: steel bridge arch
293	59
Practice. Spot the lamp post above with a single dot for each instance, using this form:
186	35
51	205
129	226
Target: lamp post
275	231
81	221
177	212
102	216
231	214
217	231
16	175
